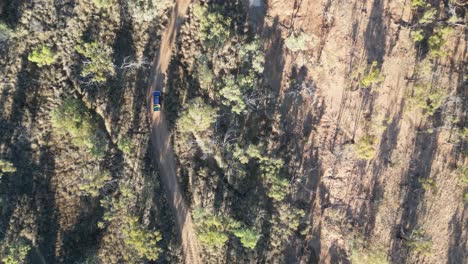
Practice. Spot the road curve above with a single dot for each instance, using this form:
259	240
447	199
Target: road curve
161	140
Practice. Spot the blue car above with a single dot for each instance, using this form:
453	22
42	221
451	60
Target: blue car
156	101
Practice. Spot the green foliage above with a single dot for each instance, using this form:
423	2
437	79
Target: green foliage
125	145
93	181
140	240
5	32
42	56
214	230
248	237
6	167
418	242
427	98
429	184
103	3
253	54
372	75
214	28
419	3
146	10
197	118
417	35
364	253
462	172
232	96
16	252
428	16
204	74
437	41
99	64
75	120
298	42
365	147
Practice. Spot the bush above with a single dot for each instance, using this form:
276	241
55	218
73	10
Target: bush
372	76
197	118
232	96
437	41
428	16
5	32
125	145
212	230
99	64
102	3
214	28
93	181
16	252
429	184
42	56
253	54
418	242
248	237
6	167
419	3
140	240
418	35
365	148
363	253
146	10
298	42
429	99
72	118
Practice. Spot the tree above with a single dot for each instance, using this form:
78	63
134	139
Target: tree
73	118
146	10
365	147
93	181
142	241
99	61
298	42
16	252
42	56
214	28
197	118
248	237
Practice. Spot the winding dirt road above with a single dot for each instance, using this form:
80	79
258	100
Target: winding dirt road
161	140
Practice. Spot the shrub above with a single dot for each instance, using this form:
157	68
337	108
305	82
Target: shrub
214	28
253	54
437	41
197	118
205	75
365	148
5	32
418	35
6	167
372	76
418	242
99	64
212	230
140	240
429	184
429	99
74	119
102	3
125	145
93	181
363	253
16	252
248	237
42	56
419	3
146	10
232	96
428	16
298	42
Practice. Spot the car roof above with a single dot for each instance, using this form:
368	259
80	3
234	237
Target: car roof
157	93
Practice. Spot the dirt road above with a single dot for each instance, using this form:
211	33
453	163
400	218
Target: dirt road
160	137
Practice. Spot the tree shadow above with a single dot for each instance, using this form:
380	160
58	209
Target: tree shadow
375	35
458	244
413	205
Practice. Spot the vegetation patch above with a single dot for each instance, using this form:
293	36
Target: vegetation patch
98	64
365	148
42	56
73	120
